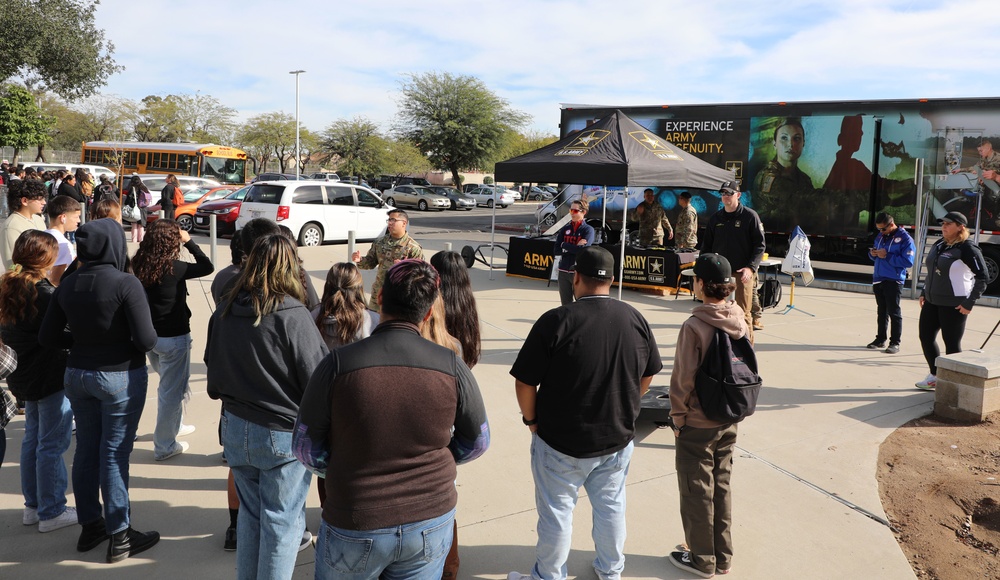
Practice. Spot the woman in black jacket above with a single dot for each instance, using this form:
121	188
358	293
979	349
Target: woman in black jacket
956	278
167	197
25	293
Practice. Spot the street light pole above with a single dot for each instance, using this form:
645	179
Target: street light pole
298	158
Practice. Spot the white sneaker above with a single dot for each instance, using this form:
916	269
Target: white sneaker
307	540
928	384
186	430
182	446
518	576
63	520
30	516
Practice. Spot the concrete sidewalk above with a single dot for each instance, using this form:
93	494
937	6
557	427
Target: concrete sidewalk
806	498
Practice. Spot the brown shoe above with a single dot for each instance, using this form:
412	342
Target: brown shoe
758	324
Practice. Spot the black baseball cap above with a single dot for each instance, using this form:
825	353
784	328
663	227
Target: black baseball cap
955	217
730	186
712	268
596	262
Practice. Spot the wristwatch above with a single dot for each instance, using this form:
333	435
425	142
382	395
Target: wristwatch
529	422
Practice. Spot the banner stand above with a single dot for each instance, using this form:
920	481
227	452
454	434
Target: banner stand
791	301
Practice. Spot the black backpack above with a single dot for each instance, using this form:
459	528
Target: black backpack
727	383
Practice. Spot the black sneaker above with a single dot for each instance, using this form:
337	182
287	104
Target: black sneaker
876	344
893	348
230	545
682	560
93	535
129	542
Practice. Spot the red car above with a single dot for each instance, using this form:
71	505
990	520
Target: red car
226	211
184	213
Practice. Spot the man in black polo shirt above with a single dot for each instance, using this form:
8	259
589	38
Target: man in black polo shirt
578	378
735	232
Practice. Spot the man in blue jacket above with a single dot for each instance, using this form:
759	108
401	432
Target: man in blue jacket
893	256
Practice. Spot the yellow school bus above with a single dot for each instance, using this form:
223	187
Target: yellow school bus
226	165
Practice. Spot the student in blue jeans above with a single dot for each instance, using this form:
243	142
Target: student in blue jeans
263	345
163	274
110	333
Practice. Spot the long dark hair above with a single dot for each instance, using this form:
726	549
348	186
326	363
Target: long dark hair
286	233
269	274
343	300
34	253
156	254
137	183
461	315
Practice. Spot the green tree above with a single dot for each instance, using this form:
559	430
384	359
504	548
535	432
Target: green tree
268	136
456	120
159	119
400	157
55	45
22	123
516	144
356	145
205	119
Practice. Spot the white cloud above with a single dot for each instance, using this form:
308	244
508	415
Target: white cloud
539	53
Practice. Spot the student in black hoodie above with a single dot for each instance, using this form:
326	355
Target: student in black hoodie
110	333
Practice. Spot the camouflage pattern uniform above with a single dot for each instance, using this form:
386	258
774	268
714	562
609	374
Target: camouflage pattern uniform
652	223
786	199
385	252
686	235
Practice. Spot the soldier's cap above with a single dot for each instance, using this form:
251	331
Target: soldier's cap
711	268
685	194
730	186
955	218
596	262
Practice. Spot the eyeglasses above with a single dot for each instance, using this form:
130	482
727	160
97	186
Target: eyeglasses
574	210
394	220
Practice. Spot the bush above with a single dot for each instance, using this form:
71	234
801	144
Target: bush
487	180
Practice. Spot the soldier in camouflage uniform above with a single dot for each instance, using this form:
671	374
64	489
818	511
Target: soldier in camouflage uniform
687	223
990	166
394	246
781	191
652	221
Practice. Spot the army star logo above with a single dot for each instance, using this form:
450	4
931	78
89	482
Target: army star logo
584	143
655	265
655	145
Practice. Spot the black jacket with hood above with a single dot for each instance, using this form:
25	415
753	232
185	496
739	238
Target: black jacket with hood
105	306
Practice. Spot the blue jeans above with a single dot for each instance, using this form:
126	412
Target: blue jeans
272	486
558	478
48	430
413	551
108	406
171	358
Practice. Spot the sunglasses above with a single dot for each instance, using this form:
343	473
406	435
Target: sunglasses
574	210
728	193
881	229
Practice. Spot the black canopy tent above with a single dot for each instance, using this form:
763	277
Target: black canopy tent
614	151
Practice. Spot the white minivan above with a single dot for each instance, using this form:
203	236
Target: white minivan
317	211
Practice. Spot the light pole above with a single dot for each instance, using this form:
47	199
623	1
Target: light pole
297	157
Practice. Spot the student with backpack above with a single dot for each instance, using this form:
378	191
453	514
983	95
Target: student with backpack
704	424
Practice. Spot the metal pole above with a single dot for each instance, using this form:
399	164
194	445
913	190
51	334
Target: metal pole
213	244
621	269
350	243
297	155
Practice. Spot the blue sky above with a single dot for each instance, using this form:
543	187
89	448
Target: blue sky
540	53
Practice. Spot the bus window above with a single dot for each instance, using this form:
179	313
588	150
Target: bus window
224	170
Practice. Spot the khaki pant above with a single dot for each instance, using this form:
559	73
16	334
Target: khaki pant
704	461
744	298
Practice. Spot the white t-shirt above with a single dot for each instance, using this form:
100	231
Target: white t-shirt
67	251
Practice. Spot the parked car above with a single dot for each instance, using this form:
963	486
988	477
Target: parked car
184	213
513	192
466	188
545	214
488	196
416	196
276	177
316	211
325	176
354	180
226	211
538	194
458	199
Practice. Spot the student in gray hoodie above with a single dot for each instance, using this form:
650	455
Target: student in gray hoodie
263	345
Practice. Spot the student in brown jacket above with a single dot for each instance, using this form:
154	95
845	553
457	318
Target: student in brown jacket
703	447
